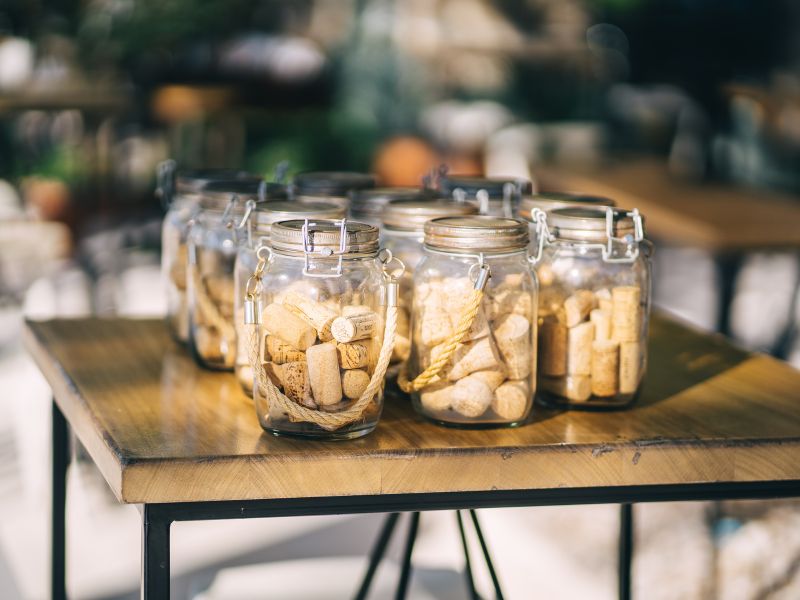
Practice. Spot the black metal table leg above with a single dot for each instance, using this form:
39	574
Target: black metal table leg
405	573
155	554
377	554
728	266
625	550
473	593
495	580
60	462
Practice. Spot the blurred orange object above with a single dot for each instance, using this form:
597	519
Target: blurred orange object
47	199
404	161
176	103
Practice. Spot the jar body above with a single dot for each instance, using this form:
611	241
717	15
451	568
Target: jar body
593	326
491	379
246	261
406	246
175	262
212	252
300	354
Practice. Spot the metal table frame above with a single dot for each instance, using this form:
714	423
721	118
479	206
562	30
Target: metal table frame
158	518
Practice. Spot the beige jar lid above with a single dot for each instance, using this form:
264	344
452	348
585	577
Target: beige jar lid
267	213
552	200
590	224
411	215
323	238
217	194
475	233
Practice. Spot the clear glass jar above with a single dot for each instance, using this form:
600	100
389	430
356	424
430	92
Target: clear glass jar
496	197
490	379
179	193
258	230
594	307
367	206
216	233
547	201
329	186
403	234
321	331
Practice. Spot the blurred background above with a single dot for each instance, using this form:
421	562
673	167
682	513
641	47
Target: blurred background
689	109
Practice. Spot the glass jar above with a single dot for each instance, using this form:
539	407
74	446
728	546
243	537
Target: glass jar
318	354
258	230
216	233
403	235
496	197
489	377
594	307
329	186
179	193
366	206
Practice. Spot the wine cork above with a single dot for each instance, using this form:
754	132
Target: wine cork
436	397
626	313
354	355
244	373
401	350
338	407
208	343
471	397
296	385
511	400
290	328
220	288
479	327
577	307
319	316
630	359
479	355
177	271
601	320
355	327
491	378
275	373
579	349
577	388
545	275
513	336
603	298
553	347
323	373
354	382
435	323
350	310
509	301
605	368
279	352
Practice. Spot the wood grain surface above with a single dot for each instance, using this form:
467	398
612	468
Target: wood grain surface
163	430
715	216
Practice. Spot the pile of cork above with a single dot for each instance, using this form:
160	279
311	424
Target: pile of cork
489	376
215	341
589	345
319	354
177	277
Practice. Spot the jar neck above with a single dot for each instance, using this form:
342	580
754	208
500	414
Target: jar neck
476	253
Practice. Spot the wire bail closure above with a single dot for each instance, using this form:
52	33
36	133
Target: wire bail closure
543	235
165	182
632	245
252	293
308	250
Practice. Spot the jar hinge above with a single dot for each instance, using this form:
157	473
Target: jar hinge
308	251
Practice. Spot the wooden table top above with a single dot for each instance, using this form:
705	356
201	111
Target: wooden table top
715	216
162	430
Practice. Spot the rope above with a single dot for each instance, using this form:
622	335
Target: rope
328	421
464	324
210	310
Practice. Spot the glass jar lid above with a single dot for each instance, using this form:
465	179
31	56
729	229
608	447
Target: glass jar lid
217	194
195	180
267	213
595	224
552	200
411	215
476	233
324	238
370	203
331	183
493	186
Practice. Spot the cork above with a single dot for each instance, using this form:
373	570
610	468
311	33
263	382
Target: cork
323	373
338	407
354	382
579	349
603	298
315	313
275	373
436	398
630	359
290	328
474	356
479	327
220	289
626	313
296	385
577	388
491	378
552	347
244	373
435	323
511	400
513	336
355	327
545	275
605	368
509	301
355	309
278	352
601	320
401	350
212	347
471	397
354	355
577	307
177	271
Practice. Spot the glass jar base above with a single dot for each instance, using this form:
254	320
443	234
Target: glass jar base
593	404
323	436
460	422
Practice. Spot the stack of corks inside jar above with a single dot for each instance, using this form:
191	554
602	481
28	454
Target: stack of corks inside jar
214	335
589	344
321	354
489	376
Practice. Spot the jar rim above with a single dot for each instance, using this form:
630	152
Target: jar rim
371	202
323	238
589	223
267	213
548	201
493	186
331	183
478	233
411	215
